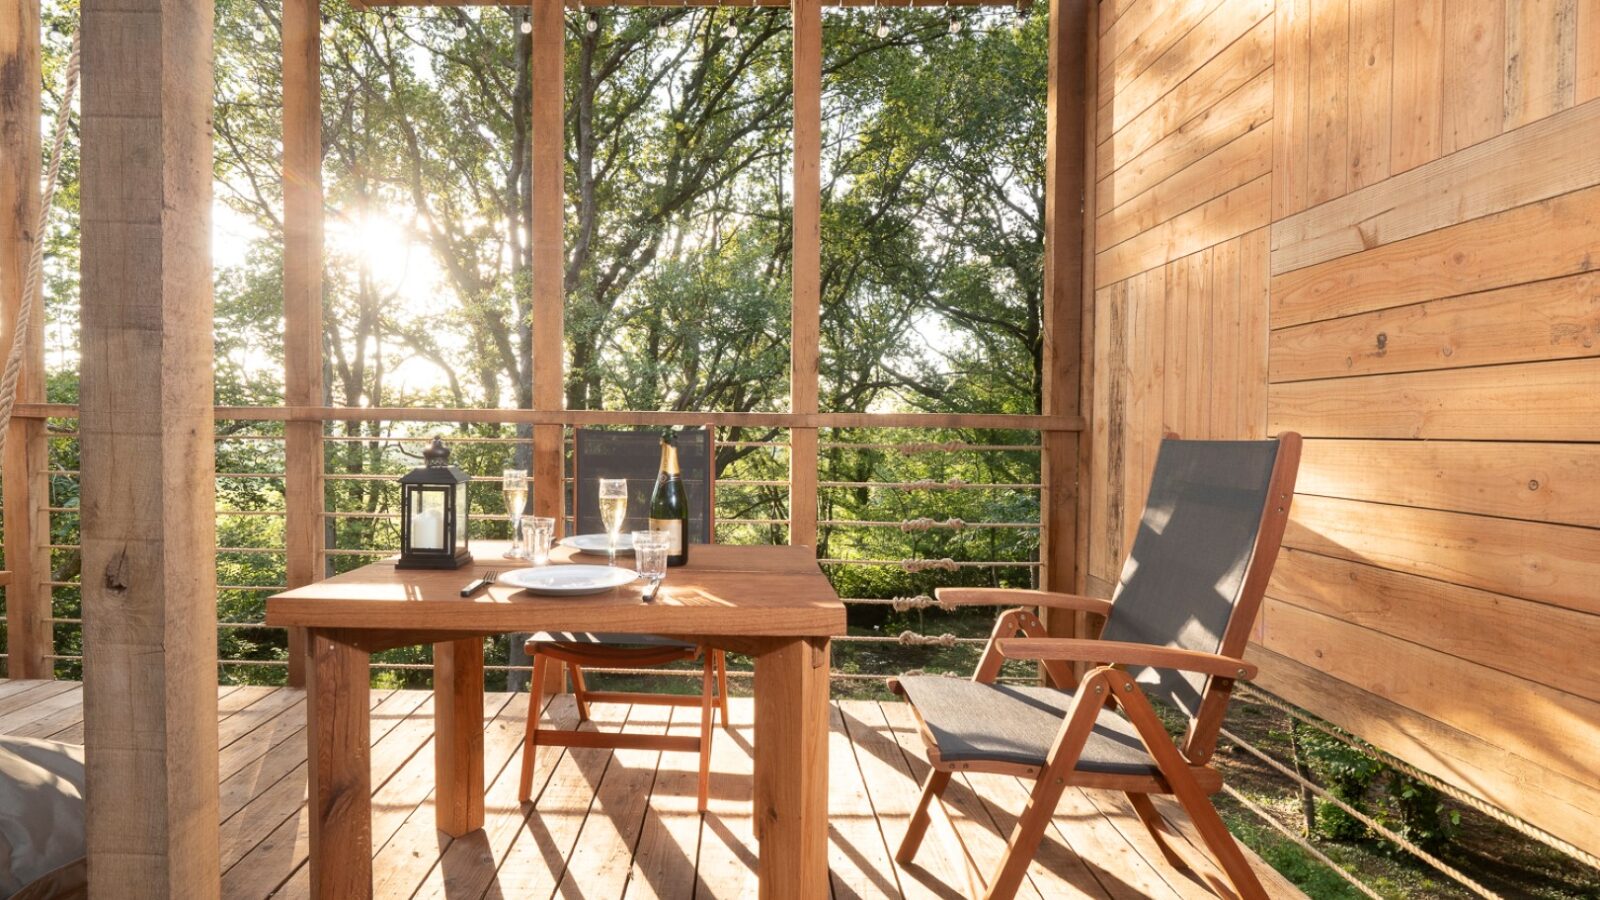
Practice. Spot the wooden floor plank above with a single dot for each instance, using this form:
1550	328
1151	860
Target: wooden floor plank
894	792
470	864
668	848
603	859
728	860
624	824
858	858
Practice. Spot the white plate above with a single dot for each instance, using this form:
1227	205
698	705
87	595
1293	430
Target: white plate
595	544
566	581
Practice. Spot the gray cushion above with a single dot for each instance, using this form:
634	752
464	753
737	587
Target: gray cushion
41	809
604	637
1011	723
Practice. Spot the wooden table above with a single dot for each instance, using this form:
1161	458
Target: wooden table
772	603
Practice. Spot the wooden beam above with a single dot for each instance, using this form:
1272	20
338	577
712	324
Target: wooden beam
547	219
1066	208
149	532
805	269
22	470
608	417
718	4
302	302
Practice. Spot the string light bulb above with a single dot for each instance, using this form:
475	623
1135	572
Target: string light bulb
527	25
883	24
593	24
258	34
955	24
662	28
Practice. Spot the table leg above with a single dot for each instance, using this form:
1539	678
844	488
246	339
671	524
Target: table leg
791	768
338	751
458	735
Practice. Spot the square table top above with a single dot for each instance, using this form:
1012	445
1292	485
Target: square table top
760	591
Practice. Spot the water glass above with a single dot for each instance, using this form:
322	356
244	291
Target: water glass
650	555
541	531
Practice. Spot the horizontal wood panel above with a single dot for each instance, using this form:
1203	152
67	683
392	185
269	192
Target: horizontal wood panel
1555	564
1227	72
1544	643
1544	320
1244	160
1553	401
1541	725
1242	209
1551	157
1556	803
1510	479
1483	254
1248	108
1225	25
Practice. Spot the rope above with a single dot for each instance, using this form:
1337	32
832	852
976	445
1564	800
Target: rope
32	284
1301	842
1404	844
1255	695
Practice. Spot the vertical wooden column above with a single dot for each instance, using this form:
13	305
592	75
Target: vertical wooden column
22	470
302	302
806	268
149	481
1064	216
547	221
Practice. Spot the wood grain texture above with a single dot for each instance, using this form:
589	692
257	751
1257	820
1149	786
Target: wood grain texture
806	268
1291	117
1242	209
1537	482
339	768
1549	727
1541	59
147	485
1244	160
1479	255
1588	51
724	590
1474	71
23	468
1419	49
1515	636
1542	320
791	769
1555	401
547	245
458	735
1371	91
1328	137
1554	564
1553	157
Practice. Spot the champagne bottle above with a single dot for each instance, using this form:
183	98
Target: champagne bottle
669	503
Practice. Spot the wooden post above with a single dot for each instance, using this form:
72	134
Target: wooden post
27	488
1064	216
302	303
806	268
547	223
149	480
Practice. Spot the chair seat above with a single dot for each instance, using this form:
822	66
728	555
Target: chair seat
594	638
1009	723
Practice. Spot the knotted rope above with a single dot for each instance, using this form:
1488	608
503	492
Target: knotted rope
32	284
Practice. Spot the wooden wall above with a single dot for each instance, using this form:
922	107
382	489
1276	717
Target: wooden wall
1377	223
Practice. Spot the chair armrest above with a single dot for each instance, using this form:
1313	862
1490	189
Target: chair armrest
1020	597
1125	654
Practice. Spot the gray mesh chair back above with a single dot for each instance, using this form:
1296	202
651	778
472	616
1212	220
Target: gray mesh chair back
1186	574
635	454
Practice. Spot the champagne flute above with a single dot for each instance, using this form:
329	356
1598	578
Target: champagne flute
514	486
613	510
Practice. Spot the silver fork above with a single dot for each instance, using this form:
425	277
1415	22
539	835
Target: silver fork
485	578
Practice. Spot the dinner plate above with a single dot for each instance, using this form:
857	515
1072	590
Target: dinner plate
595	544
566	581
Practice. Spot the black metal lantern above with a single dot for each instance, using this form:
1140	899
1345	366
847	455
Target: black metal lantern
433	521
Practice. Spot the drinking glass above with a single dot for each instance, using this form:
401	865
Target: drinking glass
514	486
650	558
613	510
541	531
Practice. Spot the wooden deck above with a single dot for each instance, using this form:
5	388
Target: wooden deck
623	823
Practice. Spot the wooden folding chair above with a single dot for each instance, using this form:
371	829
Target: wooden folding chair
631	454
1175	631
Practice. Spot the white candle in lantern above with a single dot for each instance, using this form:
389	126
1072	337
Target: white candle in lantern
427	529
